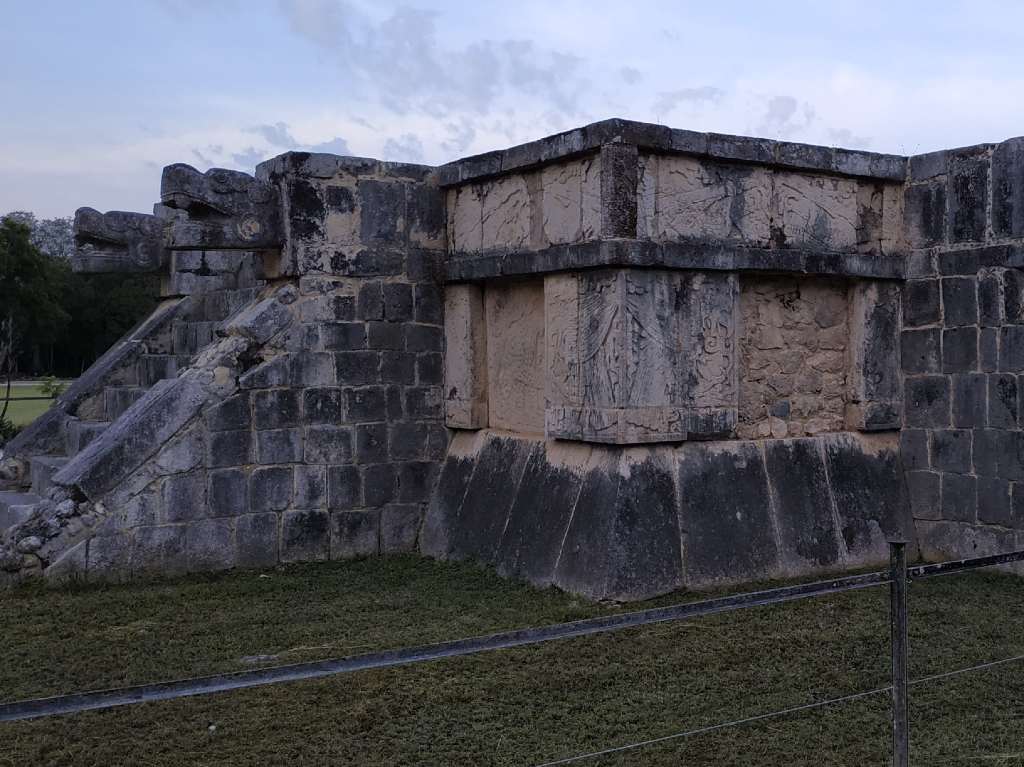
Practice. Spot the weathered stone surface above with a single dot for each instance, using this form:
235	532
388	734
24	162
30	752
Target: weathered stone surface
465	362
355	534
440	536
1008	189
515	357
210	544
117	242
256	538
305	536
875	319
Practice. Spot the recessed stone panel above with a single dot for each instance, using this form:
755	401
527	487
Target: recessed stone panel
515	356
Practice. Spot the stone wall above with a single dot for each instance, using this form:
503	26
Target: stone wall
794	357
963	349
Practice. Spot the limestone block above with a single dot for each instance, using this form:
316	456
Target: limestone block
640	355
465	219
465	361
646	192
515	356
342	223
506	212
817	212
562	202
874	387
590	216
695	199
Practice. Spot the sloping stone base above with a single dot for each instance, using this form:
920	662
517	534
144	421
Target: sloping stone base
631	523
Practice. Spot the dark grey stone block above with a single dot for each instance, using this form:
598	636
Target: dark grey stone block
927	166
305	536
869	493
925	214
423	338
379	484
323	405
1008	189
357	368
397	302
429	304
720	547
959	498
276	408
408	440
386	335
921	302
344	488
157	549
398	368
273	372
623	541
232	413
986	446
370	303
914	449
1003	402
228	493
184	497
229	448
270	488
1017	505
920	350
988	349
382	211
256	540
803	505
368	404
1011	454
415	481
618	190
959	301
372	443
210	544
328	444
355	533
923	490
430	369
960	350
1011	348
441	522
538	518
1013	296
423	402
343	336
313	369
970	401
399	527
968	197
310	487
990	300
951	450
927	401
994	501
279	446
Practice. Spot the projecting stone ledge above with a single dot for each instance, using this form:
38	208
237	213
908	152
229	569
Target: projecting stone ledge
632	523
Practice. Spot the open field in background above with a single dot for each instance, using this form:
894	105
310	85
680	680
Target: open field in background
517	707
22	413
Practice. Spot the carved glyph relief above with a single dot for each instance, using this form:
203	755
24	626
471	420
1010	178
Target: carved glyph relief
515	356
816	212
793	357
506	213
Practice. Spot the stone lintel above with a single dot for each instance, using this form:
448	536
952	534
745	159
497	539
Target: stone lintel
660	138
690	255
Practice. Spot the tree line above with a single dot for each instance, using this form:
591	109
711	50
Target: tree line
53	321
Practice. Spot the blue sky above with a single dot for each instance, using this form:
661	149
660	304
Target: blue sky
95	97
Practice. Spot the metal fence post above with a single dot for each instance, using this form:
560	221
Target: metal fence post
898	622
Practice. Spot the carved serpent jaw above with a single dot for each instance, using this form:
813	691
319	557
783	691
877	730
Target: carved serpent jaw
117	241
221	210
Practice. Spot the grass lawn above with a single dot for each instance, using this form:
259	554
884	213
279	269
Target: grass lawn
22	413
516	707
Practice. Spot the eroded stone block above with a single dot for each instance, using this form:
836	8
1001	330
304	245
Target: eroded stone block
816	212
515	356
465	361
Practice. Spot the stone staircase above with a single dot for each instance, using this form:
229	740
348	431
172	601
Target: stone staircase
165	355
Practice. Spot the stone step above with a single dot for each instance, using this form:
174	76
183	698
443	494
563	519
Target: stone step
157	367
117	399
15	507
81	433
42	468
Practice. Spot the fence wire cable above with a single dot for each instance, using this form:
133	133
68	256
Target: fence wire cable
781	712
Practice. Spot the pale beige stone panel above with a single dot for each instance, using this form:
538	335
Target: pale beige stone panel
515	356
817	212
506	214
561	320
465	219
702	200
465	359
590	216
562	202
